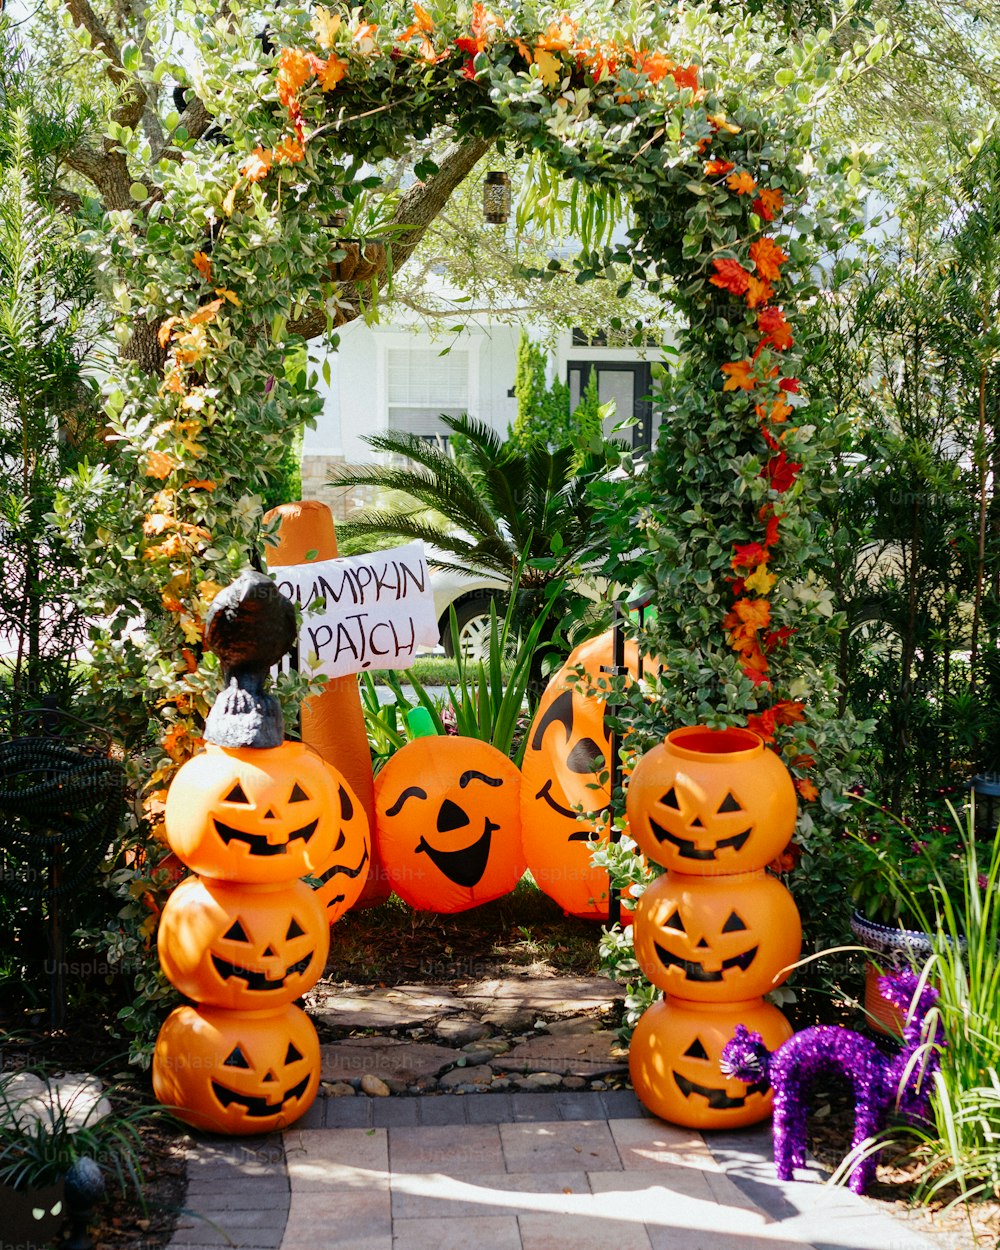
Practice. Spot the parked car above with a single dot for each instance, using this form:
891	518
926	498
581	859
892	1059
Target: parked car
470	593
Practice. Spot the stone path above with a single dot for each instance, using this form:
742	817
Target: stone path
512	1162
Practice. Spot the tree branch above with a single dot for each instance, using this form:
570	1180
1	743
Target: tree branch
414	213
133	100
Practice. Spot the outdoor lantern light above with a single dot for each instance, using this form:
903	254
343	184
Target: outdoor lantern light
496	197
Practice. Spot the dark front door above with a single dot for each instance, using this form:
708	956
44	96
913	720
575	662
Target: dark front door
628	384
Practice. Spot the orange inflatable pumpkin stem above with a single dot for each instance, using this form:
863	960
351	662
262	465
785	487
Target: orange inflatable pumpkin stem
332	722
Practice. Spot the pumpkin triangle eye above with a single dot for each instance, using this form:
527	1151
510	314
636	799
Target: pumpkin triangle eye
236	933
237	795
294	930
346	806
729	804
674	921
298	795
235	1059
696	1050
670	799
734	924
293	1054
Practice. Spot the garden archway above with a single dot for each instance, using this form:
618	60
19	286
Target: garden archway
238	248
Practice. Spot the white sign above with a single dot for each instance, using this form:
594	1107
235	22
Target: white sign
375	609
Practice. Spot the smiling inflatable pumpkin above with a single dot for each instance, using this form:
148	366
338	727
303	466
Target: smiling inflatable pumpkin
449	823
343	875
568	751
716	939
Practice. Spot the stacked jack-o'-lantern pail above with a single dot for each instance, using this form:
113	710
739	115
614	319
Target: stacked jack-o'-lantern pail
717	931
245	937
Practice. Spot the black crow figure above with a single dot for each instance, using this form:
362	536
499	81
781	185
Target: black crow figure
249	626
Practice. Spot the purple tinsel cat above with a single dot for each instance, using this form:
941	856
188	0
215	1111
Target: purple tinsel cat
880	1083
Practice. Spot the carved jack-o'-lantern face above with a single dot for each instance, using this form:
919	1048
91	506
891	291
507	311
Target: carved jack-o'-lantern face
563	795
449	824
711	801
717	939
236	1072
241	814
674	1062
243	947
342	878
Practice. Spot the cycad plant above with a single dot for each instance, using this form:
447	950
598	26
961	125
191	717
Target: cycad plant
484	507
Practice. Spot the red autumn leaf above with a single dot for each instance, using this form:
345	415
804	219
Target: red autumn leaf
762	724
748	555
788	712
780	472
774	329
791	385
768	203
714	169
730	276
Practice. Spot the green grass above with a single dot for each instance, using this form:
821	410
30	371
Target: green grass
429	670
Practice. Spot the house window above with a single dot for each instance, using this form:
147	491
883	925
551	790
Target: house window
422	384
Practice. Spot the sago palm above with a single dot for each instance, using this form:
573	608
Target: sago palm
486	506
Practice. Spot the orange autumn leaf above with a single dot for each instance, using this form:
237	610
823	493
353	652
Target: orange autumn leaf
363	38
203	265
424	23
333	70
559	36
730	276
655	65
206	312
739	376
549	67
190	663
715	169
256	165
174	382
754	614
741	183
807	789
165	331
294	71
200	483
686	77
231	296
768	203
758	291
289	149
768	257
160	464
789	712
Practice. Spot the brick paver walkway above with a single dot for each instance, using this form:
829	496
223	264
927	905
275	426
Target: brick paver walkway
563	1171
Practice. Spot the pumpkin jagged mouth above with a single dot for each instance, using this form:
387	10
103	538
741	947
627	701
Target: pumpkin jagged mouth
253	1105
698	972
718	1099
582	835
258	843
688	849
464	867
259	980
344	870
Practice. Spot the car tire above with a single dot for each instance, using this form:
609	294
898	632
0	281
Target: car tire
473	617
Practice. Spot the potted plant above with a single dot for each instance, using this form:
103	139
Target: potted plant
899	868
48	1125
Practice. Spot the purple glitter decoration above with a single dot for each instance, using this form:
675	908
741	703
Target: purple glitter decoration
880	1083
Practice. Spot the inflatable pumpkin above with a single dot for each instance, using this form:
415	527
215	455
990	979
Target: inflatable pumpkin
709	801
254	815
449	823
342	877
716	939
243	947
568	750
237	1071
674	1062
